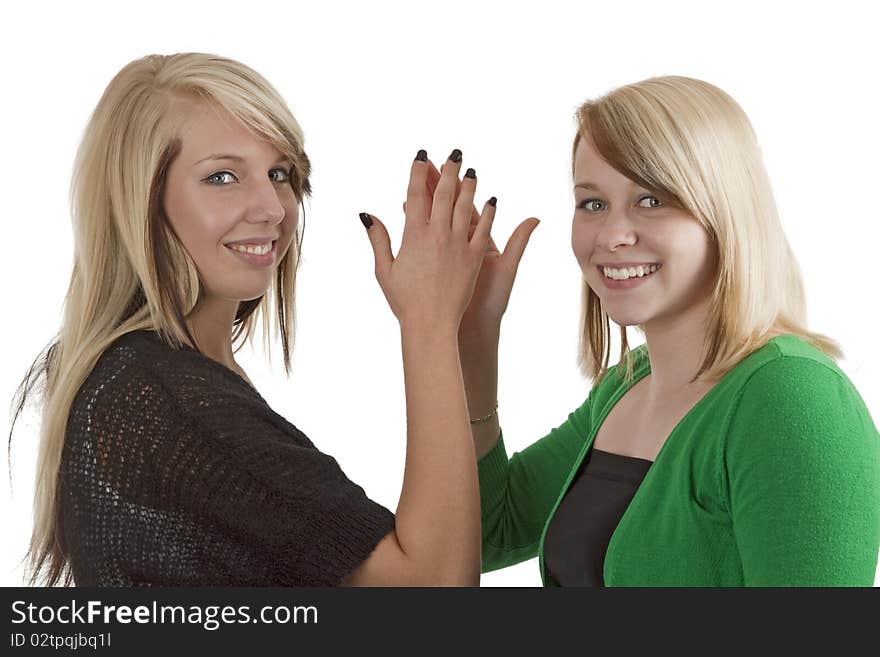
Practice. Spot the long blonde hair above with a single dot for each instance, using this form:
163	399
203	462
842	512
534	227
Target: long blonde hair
690	142
130	270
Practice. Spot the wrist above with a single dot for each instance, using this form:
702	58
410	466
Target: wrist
476	421
479	360
426	330
479	339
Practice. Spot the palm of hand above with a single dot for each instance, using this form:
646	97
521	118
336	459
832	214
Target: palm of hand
494	283
491	293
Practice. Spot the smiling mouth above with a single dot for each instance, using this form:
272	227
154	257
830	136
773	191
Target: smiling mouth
253	249
627	273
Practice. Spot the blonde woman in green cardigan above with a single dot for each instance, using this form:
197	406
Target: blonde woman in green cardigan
729	450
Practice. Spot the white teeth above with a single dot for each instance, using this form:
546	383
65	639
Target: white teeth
629	272
256	250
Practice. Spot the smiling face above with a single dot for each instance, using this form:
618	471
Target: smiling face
226	186
647	261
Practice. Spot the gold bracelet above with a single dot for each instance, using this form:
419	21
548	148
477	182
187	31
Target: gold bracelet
486	418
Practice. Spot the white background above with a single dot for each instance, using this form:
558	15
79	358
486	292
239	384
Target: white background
373	82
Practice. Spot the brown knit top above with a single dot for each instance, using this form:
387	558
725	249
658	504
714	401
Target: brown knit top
176	472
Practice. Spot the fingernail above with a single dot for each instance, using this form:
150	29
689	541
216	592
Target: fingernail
493	201
455	156
366	220
470	173
422	155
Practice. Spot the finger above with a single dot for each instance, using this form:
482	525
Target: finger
518	241
417	201
484	226
491	247
464	204
444	195
433	177
475	219
381	244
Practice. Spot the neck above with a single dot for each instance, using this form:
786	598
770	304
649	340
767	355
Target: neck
210	323
676	348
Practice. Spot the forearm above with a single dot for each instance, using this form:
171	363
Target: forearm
438	516
479	364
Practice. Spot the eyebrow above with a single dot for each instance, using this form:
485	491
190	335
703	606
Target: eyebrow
234	158
594	187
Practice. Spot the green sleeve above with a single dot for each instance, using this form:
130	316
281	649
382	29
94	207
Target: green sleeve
802	470
518	494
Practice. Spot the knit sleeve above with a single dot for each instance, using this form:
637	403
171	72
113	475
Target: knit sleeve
222	493
518	494
802	471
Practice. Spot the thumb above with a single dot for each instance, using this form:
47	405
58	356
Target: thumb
516	245
380	242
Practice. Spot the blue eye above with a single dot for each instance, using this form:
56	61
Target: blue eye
220	179
284	175
653	202
592	205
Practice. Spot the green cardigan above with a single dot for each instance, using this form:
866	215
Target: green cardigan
771	479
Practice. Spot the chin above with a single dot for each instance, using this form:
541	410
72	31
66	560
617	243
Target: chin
624	317
627	322
247	295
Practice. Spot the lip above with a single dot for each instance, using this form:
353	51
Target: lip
621	265
627	284
254	240
254	259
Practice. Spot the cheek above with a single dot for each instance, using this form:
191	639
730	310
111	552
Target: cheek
692	238
290	224
583	239
707	272
695	254
200	221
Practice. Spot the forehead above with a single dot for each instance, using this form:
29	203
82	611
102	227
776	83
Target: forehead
206	130
589	166
587	158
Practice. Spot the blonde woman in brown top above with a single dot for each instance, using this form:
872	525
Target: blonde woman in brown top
186	158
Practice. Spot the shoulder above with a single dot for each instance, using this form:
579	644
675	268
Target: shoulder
787	352
132	360
788	394
136	351
139	375
182	371
789	371
125	381
144	348
799	439
142	386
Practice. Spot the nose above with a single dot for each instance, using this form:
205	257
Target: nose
617	231
264	204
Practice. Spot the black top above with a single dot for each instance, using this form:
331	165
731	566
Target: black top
580	531
176	472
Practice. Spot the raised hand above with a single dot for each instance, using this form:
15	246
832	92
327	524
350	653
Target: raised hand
482	318
429	284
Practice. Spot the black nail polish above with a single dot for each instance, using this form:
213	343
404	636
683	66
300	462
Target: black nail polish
366	220
455	156
422	155
470	173
493	201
